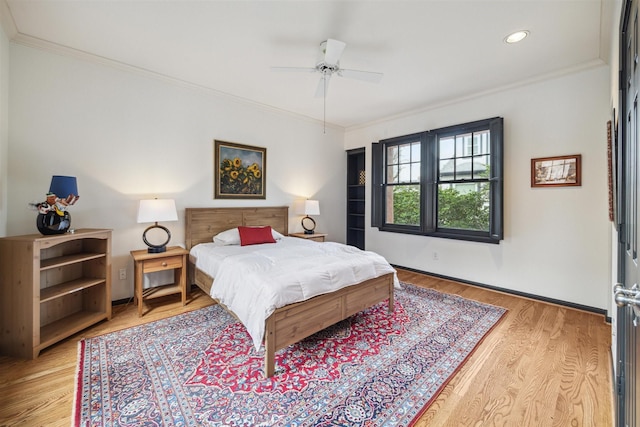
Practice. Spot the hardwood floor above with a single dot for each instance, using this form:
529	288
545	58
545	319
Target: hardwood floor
543	365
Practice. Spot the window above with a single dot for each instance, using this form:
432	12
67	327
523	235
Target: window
403	165
445	182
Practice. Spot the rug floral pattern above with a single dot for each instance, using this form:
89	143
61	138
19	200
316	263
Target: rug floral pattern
200	368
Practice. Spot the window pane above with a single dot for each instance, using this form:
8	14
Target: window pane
464	206
463	168
415	152
392	174
481	167
481	142
446	170
404	153
463	145
392	155
446	148
404	174
403	204
415	172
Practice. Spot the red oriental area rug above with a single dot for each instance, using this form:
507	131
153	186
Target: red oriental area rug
200	368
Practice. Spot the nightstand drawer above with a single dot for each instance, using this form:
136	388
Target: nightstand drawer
161	264
316	237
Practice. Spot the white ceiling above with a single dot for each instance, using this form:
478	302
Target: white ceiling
431	51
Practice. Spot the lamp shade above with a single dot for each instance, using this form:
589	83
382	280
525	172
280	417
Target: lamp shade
64	186
311	207
155	210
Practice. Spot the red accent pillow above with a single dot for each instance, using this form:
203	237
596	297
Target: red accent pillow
255	235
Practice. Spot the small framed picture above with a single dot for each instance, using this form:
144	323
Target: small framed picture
239	171
559	171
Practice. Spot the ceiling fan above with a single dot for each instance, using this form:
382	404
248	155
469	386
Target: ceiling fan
329	64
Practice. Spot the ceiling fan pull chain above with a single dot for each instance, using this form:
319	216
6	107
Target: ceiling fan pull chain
324	103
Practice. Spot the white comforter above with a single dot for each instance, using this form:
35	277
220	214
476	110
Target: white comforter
253	281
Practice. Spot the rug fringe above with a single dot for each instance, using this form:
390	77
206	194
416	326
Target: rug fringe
77	393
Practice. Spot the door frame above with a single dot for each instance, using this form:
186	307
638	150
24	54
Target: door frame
624	401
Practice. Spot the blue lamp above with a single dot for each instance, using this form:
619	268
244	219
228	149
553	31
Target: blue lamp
64	187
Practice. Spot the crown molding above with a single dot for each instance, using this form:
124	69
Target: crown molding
522	83
47	46
6	20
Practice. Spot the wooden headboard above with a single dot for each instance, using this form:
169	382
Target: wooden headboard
204	223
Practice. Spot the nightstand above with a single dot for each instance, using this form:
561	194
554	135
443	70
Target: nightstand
316	237
175	258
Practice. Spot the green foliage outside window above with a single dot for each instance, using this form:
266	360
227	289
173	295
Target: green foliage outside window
468	210
464	210
406	205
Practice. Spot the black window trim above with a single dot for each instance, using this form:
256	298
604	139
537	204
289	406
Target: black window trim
429	183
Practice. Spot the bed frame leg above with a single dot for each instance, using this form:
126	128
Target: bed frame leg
391	300
269	349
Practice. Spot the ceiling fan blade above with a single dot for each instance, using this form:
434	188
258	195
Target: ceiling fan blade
367	76
294	69
333	51
323	86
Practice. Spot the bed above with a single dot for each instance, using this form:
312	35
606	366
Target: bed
296	321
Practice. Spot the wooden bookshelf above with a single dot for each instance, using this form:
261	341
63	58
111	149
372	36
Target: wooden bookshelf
52	287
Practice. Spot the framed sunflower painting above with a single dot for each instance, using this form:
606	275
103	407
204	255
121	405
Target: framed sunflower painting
240	171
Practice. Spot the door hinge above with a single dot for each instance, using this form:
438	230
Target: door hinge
620	385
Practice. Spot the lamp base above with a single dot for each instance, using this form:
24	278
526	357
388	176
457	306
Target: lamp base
156	249
308	224
52	223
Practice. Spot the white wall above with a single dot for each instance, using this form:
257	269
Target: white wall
127	136
4	128
557	241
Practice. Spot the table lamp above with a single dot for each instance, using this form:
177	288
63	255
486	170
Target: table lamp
53	217
156	210
311	207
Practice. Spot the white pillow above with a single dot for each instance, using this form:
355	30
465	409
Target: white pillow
232	237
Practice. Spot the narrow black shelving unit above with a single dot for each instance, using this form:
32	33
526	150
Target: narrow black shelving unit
356	177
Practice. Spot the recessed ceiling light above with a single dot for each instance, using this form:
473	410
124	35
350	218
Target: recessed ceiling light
516	37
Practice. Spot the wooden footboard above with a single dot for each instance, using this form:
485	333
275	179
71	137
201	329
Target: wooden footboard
295	322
